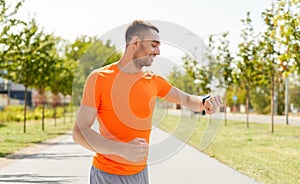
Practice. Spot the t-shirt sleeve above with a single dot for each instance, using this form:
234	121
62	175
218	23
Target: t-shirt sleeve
91	91
163	86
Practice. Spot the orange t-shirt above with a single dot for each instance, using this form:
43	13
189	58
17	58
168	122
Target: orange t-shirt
125	103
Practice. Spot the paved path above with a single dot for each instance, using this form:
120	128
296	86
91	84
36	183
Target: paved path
56	163
256	118
64	162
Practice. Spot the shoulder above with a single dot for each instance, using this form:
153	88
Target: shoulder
158	79
103	71
152	75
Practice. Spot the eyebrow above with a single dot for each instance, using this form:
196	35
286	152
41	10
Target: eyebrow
150	40
156	41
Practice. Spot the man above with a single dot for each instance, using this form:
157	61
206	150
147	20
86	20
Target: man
122	97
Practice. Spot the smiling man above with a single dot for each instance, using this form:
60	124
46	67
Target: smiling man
122	98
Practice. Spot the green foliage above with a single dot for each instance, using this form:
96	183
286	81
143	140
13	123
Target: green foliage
199	74
286	24
23	56
93	55
261	101
183	81
248	73
221	59
8	22
235	91
295	93
77	49
15	113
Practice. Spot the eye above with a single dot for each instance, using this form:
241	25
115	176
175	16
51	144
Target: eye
154	45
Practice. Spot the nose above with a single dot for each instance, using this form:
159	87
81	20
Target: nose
157	51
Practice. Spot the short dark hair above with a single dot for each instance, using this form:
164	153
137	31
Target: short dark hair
138	28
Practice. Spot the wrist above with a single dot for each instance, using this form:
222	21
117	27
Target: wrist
203	101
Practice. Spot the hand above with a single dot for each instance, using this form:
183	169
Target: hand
212	103
136	150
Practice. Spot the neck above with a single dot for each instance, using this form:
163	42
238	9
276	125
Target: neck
128	66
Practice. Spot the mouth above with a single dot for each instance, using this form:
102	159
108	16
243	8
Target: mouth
152	57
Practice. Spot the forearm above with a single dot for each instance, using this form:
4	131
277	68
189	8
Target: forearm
78	138
179	97
193	102
94	142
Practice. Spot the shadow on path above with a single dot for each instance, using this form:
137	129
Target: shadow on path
35	178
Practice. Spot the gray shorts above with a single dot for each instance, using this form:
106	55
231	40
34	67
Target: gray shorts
99	177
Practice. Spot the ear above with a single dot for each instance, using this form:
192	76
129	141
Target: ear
134	41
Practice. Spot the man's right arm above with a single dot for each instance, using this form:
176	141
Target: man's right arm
134	151
84	135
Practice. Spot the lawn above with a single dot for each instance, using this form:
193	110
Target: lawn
255	151
12	137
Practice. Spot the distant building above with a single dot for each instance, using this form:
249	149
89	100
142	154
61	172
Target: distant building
14	92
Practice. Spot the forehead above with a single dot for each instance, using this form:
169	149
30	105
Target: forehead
152	35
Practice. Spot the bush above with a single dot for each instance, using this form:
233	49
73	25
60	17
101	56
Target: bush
16	113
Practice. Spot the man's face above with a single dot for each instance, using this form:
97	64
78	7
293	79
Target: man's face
147	49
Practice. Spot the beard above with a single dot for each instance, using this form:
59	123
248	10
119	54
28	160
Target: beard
140	59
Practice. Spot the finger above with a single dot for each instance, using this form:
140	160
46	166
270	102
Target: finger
213	103
209	104
209	112
218	100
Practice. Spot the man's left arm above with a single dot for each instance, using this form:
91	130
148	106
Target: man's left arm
192	101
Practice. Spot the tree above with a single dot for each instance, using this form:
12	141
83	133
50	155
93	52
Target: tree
248	67
280	43
23	57
287	39
286	22
62	75
221	61
268	54
45	66
7	23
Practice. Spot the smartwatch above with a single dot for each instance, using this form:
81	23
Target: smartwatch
204	99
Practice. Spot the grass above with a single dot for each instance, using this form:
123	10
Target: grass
255	151
12	137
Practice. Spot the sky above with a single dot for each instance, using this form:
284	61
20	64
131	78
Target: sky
72	18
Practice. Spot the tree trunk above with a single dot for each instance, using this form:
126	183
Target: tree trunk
25	109
71	110
54	115
8	93
225	109
65	109
286	101
247	105
43	102
43	116
272	105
